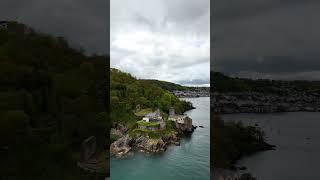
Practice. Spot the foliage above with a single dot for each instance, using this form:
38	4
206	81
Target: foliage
223	83
127	93
52	97
148	124
166	85
143	112
165	133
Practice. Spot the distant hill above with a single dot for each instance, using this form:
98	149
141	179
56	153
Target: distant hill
174	87
166	85
223	83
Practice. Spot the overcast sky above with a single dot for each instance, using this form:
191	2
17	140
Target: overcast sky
276	39
81	22
162	39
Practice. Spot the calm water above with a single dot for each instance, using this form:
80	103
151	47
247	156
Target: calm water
297	137
190	160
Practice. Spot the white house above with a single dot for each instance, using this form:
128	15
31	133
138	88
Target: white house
181	119
153	116
146	119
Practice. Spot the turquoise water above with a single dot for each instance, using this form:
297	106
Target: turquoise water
189	161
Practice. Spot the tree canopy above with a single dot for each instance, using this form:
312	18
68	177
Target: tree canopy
52	97
127	93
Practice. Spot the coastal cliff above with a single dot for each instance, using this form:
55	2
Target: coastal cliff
128	142
141	117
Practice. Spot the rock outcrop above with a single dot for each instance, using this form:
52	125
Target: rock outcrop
185	129
184	126
173	139
126	144
149	145
121	147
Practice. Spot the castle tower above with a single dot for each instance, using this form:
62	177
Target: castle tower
171	112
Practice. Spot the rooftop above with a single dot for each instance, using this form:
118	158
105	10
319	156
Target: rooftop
154	114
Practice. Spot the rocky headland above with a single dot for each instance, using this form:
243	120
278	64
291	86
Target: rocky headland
127	143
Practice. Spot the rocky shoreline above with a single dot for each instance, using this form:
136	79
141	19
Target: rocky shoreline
255	102
225	174
127	144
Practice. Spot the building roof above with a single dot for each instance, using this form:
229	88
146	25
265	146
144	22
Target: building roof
154	114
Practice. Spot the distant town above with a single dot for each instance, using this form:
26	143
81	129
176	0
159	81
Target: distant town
194	92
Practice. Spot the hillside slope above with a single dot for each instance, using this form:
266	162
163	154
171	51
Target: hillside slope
52	97
223	83
128	93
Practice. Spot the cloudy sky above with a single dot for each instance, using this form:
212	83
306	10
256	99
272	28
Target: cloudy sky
82	22
162	39
276	39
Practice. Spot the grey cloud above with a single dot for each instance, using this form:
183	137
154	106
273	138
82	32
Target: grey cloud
163	39
195	82
267	37
234	9
186	10
269	64
83	23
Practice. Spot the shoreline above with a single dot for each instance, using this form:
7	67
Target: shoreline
245	140
127	144
291	134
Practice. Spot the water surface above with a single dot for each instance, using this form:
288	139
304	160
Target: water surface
297	137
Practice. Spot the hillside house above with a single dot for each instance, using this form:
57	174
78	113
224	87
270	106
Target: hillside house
181	119
153	116
152	121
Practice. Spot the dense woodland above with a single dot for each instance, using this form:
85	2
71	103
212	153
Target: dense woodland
166	85
223	83
128	93
52	97
174	87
